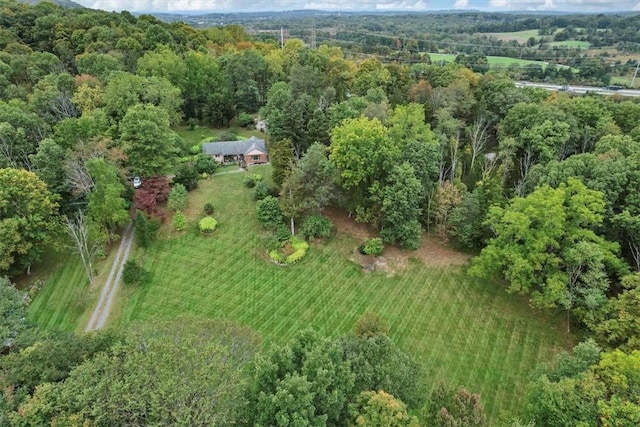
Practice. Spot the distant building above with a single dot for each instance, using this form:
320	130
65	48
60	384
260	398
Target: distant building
249	151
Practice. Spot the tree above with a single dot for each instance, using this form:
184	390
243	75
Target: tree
364	154
155	190
177	198
381	409
281	158
148	141
27	218
362	151
165	373
378	364
617	324
400	207
106	208
13	319
268	212
86	241
310	186
20	132
449	407
545	246
145	229
307	382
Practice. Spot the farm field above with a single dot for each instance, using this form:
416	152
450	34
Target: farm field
519	36
494	61
574	44
465	331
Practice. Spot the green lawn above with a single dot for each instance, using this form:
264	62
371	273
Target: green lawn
466	331
66	301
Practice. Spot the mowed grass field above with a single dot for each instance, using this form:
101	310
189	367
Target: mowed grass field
466	331
67	300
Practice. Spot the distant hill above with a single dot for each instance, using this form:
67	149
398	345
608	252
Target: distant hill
62	3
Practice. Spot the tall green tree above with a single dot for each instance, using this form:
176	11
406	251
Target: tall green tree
310	186
148	141
400	207
545	247
27	219
106	208
364	154
165	373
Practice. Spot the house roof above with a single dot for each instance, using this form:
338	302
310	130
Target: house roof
225	148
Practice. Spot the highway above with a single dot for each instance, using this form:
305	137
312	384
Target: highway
580	89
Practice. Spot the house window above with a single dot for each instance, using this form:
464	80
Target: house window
255	157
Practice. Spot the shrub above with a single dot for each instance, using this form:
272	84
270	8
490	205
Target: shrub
228	136
249	181
256	177
196	148
369	325
261	190
245	120
132	273
276	256
177	198
372	246
207	225
269	213
316	225
208	208
187	175
300	248
205	164
283	233
179	221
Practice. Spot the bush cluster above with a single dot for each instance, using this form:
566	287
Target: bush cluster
372	246
316	225
300	248
179	221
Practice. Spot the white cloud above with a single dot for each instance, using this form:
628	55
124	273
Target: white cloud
568	5
461	4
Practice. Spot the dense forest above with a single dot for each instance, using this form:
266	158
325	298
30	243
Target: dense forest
540	186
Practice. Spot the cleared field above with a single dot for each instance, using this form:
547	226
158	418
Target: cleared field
494	61
463	330
573	44
519	36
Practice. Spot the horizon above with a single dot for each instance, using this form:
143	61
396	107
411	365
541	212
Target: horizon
194	7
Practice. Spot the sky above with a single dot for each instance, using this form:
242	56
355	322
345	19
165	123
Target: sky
342	5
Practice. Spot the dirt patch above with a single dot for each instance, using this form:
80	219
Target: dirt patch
431	252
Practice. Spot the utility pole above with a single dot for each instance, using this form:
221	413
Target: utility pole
633	81
281	38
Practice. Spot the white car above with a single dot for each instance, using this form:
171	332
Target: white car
137	182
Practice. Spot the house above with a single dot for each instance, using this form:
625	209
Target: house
249	151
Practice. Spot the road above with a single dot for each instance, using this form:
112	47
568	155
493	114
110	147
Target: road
581	89
101	312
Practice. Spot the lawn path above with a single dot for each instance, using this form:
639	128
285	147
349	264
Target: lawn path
101	312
